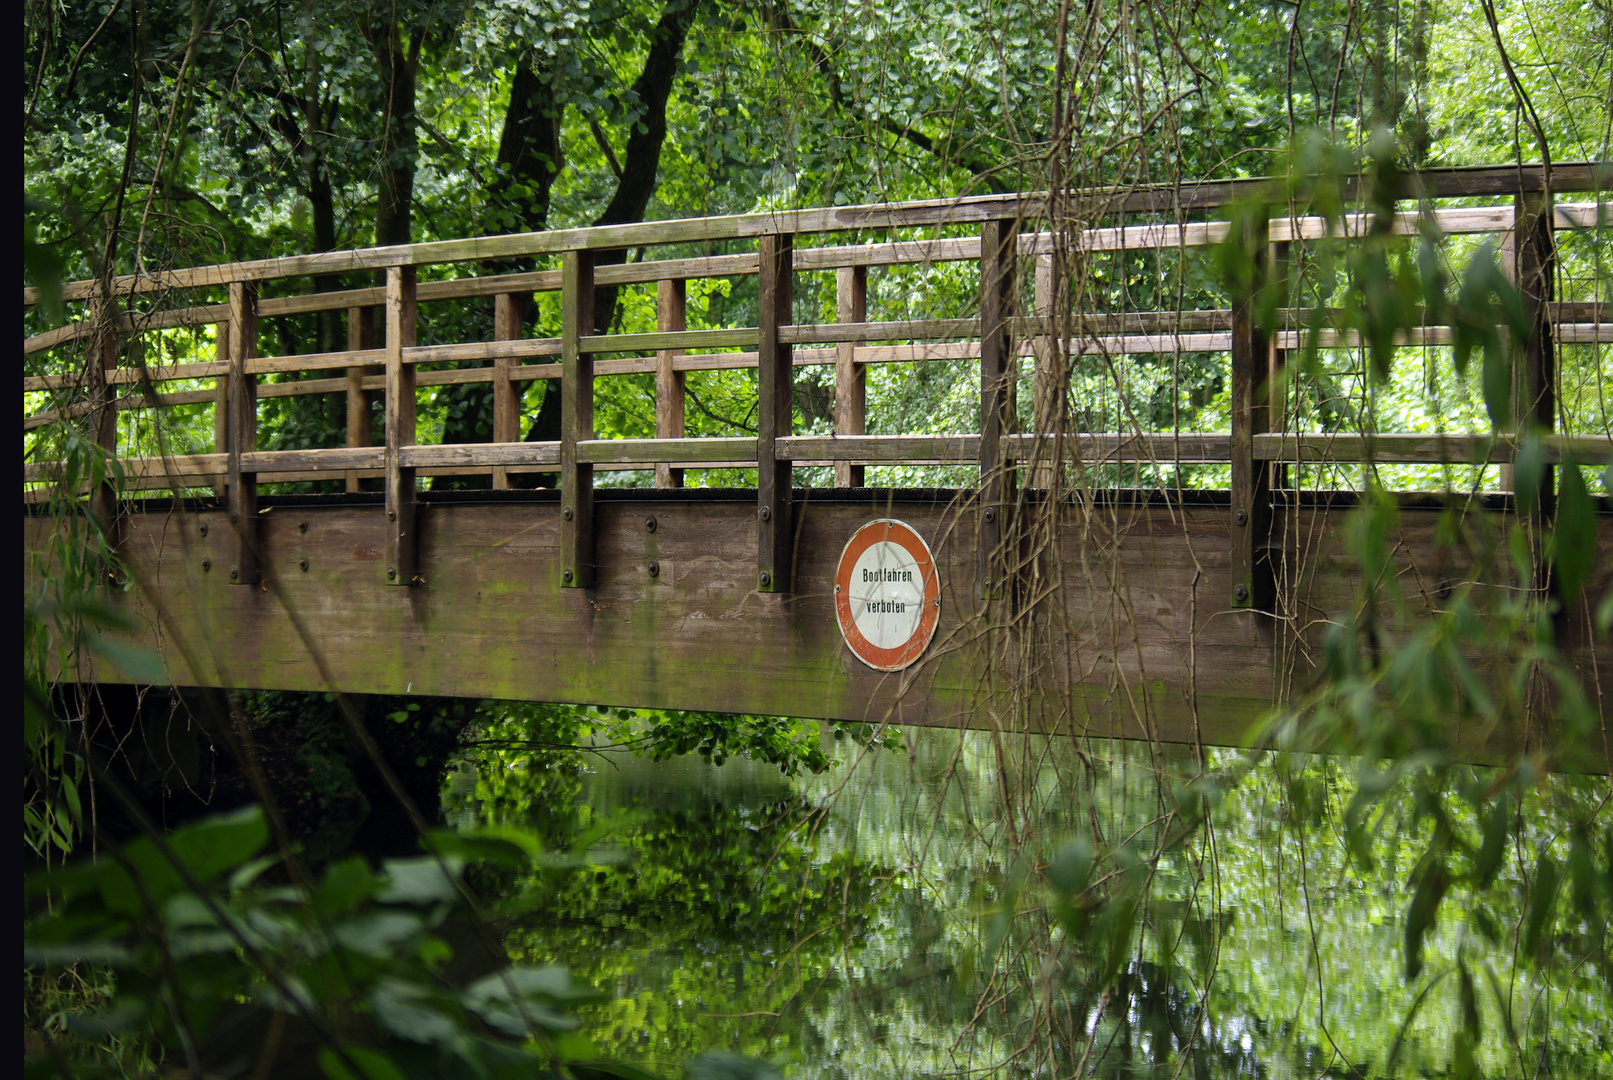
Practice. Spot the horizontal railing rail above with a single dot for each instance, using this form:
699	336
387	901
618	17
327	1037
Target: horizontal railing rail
1431	183
1457	221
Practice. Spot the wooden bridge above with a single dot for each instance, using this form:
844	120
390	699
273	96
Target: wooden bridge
1182	613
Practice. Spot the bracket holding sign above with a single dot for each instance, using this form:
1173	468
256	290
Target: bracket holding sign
887	595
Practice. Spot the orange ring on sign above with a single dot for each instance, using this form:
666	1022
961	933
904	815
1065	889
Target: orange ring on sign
900	656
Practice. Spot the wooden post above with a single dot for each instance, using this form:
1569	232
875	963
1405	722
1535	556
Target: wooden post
775	388
671	315
402	539
576	420
506	406
1253	585
851	378
1535	377
360	336
104	414
242	437
999	242
1045	391
221	408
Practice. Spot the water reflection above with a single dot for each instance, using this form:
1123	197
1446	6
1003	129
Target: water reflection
875	921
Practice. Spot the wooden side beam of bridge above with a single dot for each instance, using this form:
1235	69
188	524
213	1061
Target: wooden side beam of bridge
1149	645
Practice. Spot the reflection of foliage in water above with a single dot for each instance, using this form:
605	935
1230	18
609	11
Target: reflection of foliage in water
722	909
874	921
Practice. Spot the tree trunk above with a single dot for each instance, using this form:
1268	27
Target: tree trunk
641	165
529	154
400	142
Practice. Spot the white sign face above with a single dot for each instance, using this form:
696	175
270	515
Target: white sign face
887	594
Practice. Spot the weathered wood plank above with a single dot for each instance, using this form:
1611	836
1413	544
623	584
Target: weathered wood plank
1140	332
683	339
829	333
1164	448
484	455
907	252
1404	448
488	622
336	459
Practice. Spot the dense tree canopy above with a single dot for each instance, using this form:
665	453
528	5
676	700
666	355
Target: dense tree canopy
174	134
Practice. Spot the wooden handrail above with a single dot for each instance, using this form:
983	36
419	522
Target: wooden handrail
1462	220
1089	448
1439	183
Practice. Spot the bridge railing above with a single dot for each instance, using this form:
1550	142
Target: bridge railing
94	380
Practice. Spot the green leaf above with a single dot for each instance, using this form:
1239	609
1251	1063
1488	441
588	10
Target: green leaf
347	885
520	999
140	664
222	842
1582	872
371	1064
374	933
1421	916
1488	860
513	848
1574	538
721	1065
1497	383
98	1025
410	1012
1528	469
66	954
1542	900
420	881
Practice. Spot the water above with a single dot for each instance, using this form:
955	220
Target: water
866	923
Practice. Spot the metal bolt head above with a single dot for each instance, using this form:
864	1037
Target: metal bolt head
204	528
302	526
566	513
991	515
654	568
302	564
1241	517
566	573
649	523
234	517
392	573
766	579
392	515
766	514
235	573
1240	591
207	564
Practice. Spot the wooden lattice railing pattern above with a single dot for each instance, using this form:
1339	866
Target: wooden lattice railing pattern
1005	237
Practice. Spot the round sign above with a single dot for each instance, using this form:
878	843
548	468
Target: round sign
887	596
